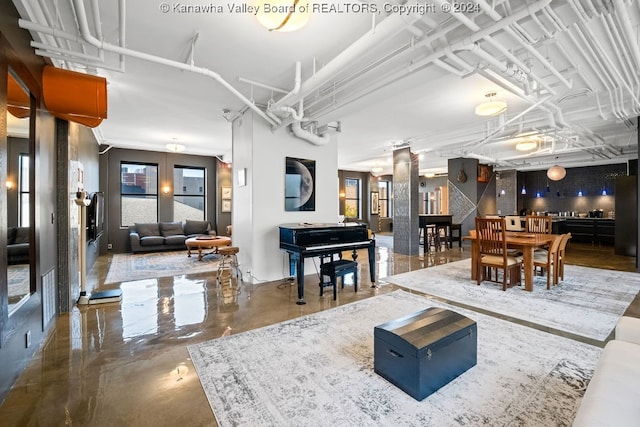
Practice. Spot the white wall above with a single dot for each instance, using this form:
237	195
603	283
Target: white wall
258	207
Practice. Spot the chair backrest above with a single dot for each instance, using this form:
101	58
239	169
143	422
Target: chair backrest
563	243
491	236
514	223
538	224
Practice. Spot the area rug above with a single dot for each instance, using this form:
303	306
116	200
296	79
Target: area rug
18	282
601	296
129	267
317	370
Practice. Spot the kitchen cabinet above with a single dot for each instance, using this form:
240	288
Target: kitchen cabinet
599	231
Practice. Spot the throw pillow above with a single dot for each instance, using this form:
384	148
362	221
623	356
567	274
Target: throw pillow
22	235
196	227
171	229
11	235
149	229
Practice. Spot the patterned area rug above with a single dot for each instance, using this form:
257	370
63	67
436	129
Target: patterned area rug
318	370
601	296
129	267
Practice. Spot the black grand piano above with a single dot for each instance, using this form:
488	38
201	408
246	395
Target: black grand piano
306	240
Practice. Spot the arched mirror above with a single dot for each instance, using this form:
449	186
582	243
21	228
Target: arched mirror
18	186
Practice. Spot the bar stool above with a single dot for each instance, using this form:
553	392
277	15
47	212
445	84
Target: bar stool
335	269
458	236
229	260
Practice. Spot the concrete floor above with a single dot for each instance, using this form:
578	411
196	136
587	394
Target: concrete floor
127	364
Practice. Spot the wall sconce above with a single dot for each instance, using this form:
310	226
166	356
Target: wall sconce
9	185
166	189
343	195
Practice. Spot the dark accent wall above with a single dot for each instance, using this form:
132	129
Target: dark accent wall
563	195
16	53
472	197
110	185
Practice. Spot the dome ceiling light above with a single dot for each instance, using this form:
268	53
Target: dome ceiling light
527	144
491	106
175	148
283	15
556	173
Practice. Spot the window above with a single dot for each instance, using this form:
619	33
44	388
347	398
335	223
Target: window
138	193
352	198
383	198
23	190
190	202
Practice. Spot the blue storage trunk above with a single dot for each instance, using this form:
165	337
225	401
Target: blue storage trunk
422	352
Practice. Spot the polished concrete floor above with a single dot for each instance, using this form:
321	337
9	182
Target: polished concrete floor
126	364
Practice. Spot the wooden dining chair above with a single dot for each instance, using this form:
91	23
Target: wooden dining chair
492	252
538	224
548	260
561	257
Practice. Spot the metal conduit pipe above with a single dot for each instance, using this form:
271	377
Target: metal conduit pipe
385	30
610	85
618	46
473	146
86	34
474	27
122	15
497	17
486	31
627	28
612	69
50	21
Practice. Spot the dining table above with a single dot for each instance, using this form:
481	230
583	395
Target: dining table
525	242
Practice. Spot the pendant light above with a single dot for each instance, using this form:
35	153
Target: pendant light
556	173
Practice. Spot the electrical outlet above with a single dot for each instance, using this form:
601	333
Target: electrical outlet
109	246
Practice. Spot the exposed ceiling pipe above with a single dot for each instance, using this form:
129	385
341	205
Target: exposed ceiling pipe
627	28
297	130
385	30
86	34
474	145
528	10
497	17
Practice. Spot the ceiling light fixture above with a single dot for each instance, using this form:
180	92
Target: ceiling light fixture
282	15
175	148
492	106
376	170
556	173
527	144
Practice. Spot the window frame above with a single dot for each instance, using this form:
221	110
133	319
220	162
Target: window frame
358	197
183	192
156	194
384	201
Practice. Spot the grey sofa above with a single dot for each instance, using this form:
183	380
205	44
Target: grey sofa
165	236
18	245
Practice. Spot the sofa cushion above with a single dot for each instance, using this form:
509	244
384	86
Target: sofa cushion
171	229
11	235
196	227
613	394
175	240
22	235
148	229
151	240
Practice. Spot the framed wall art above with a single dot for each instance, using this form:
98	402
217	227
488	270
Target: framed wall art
300	185
374	203
225	193
226	206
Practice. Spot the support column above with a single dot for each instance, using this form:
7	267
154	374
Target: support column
406	234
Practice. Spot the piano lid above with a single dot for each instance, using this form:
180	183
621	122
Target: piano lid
319	225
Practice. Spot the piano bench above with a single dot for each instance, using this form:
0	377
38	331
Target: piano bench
335	269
